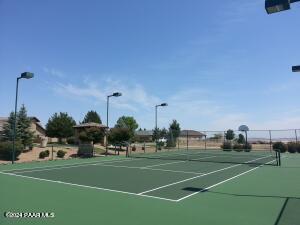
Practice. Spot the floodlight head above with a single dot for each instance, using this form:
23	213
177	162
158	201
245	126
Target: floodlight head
117	94
27	75
274	6
296	68
243	128
164	104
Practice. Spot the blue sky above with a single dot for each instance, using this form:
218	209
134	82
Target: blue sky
217	64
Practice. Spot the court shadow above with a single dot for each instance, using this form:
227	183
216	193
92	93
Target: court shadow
194	189
289	213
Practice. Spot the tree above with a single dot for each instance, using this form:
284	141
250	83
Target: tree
229	135
92	117
24	124
129	123
117	136
8	129
171	140
23	133
60	126
92	134
241	139
175	129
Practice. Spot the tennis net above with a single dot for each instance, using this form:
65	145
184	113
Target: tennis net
257	157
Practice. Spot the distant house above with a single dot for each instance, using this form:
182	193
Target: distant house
35	126
81	127
144	135
191	134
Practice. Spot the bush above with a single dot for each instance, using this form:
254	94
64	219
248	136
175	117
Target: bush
47	152
6	150
133	148
247	147
293	147
226	146
42	155
238	147
280	146
60	153
71	140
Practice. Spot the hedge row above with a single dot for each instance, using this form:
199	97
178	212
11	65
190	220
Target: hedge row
228	146
291	147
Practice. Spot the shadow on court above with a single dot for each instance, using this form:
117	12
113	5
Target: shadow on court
288	215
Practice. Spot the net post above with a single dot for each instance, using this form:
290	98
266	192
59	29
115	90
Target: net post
296	135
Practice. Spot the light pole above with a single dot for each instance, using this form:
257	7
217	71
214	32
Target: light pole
161	105
115	94
25	75
275	6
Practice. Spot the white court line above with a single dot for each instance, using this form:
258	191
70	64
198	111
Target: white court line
69	165
86	186
162	164
192	178
146	168
222	182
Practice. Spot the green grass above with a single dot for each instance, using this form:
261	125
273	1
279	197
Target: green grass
267	196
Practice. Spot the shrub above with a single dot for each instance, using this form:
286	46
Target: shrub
6	150
42	155
47	152
226	146
280	146
247	147
133	148
60	153
293	147
238	147
71	140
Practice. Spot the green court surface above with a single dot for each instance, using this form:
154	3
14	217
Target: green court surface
134	191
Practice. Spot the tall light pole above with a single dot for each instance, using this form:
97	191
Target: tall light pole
161	105
25	75
275	6
115	94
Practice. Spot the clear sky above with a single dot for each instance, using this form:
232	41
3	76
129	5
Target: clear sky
218	64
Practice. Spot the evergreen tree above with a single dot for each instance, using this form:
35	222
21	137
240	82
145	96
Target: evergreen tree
8	128
175	129
229	135
23	127
23	124
92	117
60	126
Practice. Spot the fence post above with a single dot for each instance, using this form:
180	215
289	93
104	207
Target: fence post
296	135
52	153
270	134
187	140
205	140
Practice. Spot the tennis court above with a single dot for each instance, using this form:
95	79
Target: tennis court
215	187
170	175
